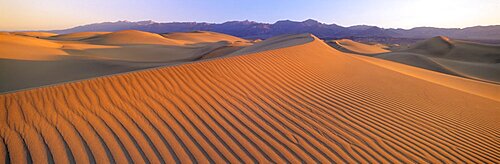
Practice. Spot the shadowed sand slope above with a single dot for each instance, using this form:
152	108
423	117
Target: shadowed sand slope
458	50
465	59
306	102
349	46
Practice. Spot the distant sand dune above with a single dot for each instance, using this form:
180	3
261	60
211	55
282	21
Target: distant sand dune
471	60
418	60
125	37
31	62
349	46
301	102
275	43
202	37
77	36
35	34
458	50
28	48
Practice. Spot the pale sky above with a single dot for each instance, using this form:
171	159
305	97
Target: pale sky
60	14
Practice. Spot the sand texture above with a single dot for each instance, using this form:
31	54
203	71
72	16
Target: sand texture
301	102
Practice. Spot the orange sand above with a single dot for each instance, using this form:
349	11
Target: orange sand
350	46
305	102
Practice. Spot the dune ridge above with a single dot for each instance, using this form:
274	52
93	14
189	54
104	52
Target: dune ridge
77	36
197	37
125	37
35	34
305	102
454	57
349	46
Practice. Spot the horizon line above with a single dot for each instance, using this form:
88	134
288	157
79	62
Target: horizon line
270	23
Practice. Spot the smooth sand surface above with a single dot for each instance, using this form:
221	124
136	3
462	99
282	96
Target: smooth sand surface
418	60
465	59
28	62
131	37
349	46
300	103
197	37
35	34
28	48
78	35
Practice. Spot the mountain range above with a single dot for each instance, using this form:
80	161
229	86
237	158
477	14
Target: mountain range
254	30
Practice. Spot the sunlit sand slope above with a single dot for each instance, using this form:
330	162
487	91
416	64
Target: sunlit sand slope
349	46
127	37
35	34
306	103
197	37
78	36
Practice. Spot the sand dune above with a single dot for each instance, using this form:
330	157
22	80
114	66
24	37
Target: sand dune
303	101
125	37
197	37
275	43
28	48
349	46
418	60
26	74
35	34
490	72
27	41
77	36
150	53
465	59
222	51
458	50
31	62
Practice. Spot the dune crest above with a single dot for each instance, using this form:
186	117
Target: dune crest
35	34
349	46
77	36
131	37
303	102
276	43
197	37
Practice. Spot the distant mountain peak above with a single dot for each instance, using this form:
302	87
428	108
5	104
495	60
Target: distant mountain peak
311	22
360	27
245	22
148	22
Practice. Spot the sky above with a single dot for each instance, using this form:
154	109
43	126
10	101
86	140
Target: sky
61	14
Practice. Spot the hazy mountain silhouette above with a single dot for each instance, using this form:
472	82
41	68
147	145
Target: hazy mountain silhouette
250	29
